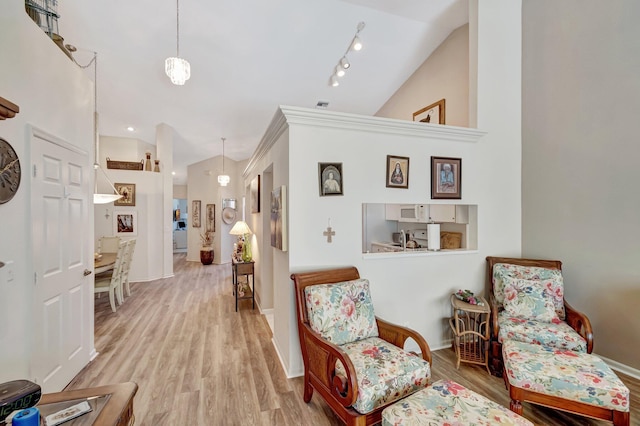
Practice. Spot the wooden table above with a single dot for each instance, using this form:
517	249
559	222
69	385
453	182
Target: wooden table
470	326
105	263
117	411
246	269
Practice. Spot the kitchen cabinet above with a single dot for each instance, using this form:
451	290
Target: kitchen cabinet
449	213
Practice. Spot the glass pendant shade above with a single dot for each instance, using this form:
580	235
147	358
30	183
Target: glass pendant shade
178	70
223	180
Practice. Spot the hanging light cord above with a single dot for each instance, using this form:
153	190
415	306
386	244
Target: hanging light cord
223	139
178	28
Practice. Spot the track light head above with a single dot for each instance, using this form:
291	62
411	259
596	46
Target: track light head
339	71
344	63
333	81
356	44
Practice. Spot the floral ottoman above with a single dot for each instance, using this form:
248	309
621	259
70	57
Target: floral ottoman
448	403
567	380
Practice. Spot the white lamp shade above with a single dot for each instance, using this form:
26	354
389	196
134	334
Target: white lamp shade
240	228
105	198
178	70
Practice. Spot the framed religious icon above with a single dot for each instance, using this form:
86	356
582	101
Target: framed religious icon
330	179
397	172
433	114
128	192
446	175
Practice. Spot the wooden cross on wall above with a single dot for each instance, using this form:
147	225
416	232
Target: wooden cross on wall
329	232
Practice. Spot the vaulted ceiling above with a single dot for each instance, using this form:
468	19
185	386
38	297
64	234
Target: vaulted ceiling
247	57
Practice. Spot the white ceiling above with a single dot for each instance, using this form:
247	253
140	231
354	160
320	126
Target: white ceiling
247	57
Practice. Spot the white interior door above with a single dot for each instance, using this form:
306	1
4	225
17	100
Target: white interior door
63	302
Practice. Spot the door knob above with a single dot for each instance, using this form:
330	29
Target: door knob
87	272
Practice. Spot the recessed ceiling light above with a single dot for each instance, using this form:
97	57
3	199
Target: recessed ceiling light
173	173
130	128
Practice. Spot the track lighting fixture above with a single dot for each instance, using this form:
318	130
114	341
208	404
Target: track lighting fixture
343	63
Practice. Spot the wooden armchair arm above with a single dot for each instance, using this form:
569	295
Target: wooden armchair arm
397	335
495	327
580	323
322	357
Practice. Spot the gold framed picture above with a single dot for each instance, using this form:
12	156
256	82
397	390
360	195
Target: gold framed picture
128	192
433	114
397	172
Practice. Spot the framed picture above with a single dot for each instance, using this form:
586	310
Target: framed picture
195	213
330	179
397	172
128	192
446	178
279	218
125	223
211	218
254	191
433	113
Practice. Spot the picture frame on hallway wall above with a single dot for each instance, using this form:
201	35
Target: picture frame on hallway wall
446	178
330	179
397	172
433	114
254	191
211	218
128	192
125	223
279	218
195	213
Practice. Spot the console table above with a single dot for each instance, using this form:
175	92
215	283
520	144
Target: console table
113	404
243	268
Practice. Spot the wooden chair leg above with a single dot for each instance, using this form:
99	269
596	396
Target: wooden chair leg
308	392
621	418
515	406
112	300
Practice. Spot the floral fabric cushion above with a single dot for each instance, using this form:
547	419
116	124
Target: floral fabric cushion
551	277
529	299
557	334
448	403
341	312
385	372
573	376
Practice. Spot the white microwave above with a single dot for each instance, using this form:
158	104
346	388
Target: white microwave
413	212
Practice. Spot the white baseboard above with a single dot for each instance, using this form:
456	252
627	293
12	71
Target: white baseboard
622	368
93	354
284	367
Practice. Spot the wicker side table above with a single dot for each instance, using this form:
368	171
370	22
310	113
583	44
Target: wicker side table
470	326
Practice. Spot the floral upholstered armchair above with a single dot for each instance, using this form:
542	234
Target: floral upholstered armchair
353	359
527	305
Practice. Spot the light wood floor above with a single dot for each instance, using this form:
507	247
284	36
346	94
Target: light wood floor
198	362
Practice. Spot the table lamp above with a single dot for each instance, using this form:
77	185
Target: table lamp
242	229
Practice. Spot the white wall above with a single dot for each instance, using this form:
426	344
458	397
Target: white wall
202	184
60	102
445	74
406	290
150	259
581	99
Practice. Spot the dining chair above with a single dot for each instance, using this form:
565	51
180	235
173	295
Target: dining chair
126	267
111	284
109	244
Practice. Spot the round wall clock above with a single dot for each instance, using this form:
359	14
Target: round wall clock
10	171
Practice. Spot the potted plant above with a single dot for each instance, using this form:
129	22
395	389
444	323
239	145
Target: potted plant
206	251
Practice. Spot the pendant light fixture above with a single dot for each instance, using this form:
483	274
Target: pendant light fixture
223	179
99	198
177	69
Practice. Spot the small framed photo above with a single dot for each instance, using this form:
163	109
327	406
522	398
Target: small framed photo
446	178
125	223
330	179
254	191
433	113
128	192
279	218
397	172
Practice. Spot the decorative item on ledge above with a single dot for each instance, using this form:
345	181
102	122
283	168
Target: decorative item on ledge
206	251
124	165
8	109
147	164
156	168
